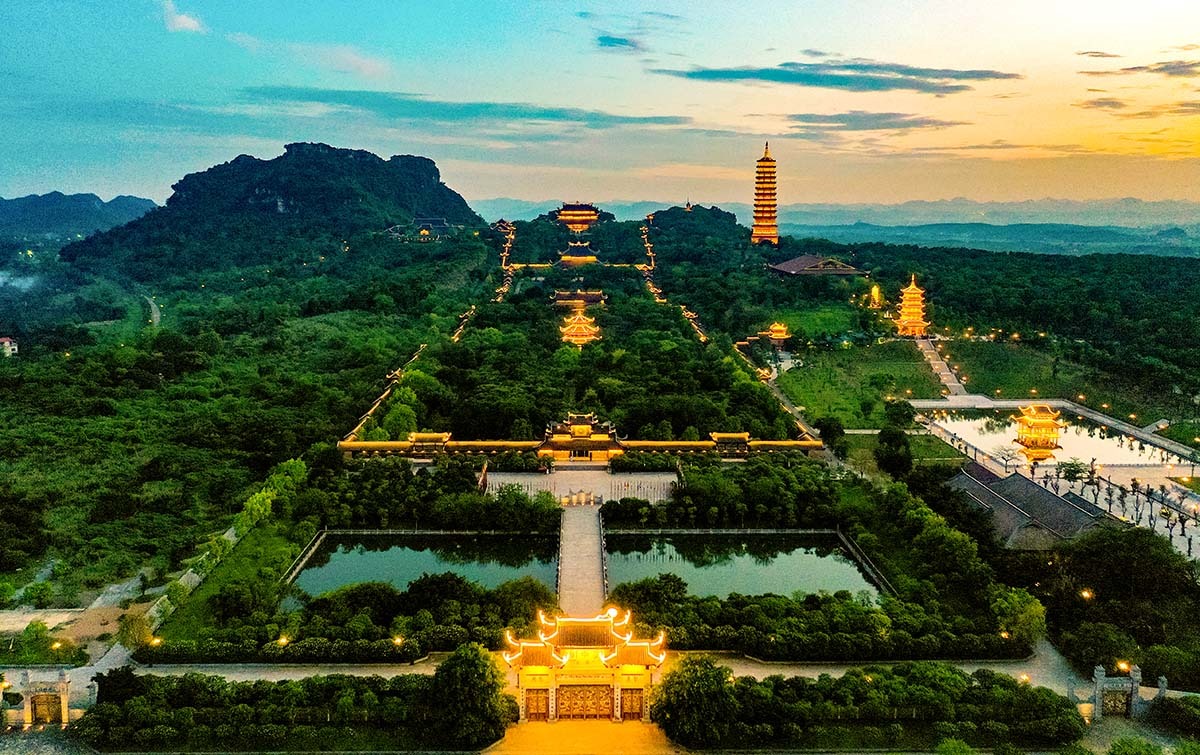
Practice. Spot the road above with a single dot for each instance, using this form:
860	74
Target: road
155	312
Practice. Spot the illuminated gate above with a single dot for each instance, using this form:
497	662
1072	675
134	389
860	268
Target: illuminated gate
47	709
537	704
631	704
585	701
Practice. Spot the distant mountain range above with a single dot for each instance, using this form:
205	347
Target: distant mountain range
1106	212
67	214
250	211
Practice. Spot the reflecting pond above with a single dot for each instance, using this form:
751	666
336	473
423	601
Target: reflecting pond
747	564
1080	439
399	559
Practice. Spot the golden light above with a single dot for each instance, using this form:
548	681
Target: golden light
56	646
1123	665
397	641
1033	390
1082	397
1023	678
156	641
1133	416
1004	635
1086	593
283	641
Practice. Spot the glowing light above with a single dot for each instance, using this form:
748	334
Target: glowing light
1123	665
1023	678
397	641
1004	635
56	646
283	641
1086	594
156	641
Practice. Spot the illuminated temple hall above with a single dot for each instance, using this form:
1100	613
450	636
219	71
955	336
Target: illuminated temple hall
765	229
577	216
579	329
585	668
911	321
1038	429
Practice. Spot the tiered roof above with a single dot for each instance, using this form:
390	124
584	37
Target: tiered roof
606	640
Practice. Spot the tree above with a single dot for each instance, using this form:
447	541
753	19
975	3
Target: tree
899	413
954	747
893	454
695	704
134	630
467	699
1072	470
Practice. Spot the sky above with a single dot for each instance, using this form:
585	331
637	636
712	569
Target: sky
862	100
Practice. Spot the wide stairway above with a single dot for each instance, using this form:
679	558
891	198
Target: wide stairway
581	562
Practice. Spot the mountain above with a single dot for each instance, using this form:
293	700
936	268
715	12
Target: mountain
1101	212
1042	238
250	211
67	214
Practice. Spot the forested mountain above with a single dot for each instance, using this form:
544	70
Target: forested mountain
63	214
251	211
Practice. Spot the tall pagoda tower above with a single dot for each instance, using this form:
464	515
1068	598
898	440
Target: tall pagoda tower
765	229
912	320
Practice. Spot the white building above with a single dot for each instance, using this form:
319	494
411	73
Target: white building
8	346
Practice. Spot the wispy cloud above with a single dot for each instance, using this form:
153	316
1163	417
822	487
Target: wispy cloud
1097	54
859	120
339	58
855	74
415	107
618	44
1103	103
1186	108
1172	68
177	21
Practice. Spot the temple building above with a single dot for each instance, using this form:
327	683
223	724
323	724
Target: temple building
875	299
911	321
579	298
577	216
811	264
585	668
8	346
579	329
765	229
578	438
778	334
1038	429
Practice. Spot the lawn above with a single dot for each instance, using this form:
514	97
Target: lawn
1015	370
261	556
926	449
851	384
823	318
1184	432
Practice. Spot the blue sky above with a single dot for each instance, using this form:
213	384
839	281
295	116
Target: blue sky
864	101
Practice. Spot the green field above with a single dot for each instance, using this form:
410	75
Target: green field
1016	371
926	449
1184	432
259	557
852	384
822	318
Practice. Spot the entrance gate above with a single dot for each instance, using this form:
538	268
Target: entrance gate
537	704
585	701
47	709
632	701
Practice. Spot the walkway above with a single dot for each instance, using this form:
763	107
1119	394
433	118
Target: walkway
1046	668
584	738
940	368
565	481
581	562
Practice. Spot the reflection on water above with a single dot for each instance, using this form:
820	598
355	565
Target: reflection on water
1080	439
399	559
750	565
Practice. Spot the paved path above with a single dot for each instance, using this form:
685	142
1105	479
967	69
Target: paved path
581	562
584	738
940	368
605	486
1046	668
155	312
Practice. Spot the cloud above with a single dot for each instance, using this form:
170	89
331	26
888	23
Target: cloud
858	120
856	74
1186	108
1172	68
177	21
1185	48
1097	54
619	44
1103	103
418	108
338	58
